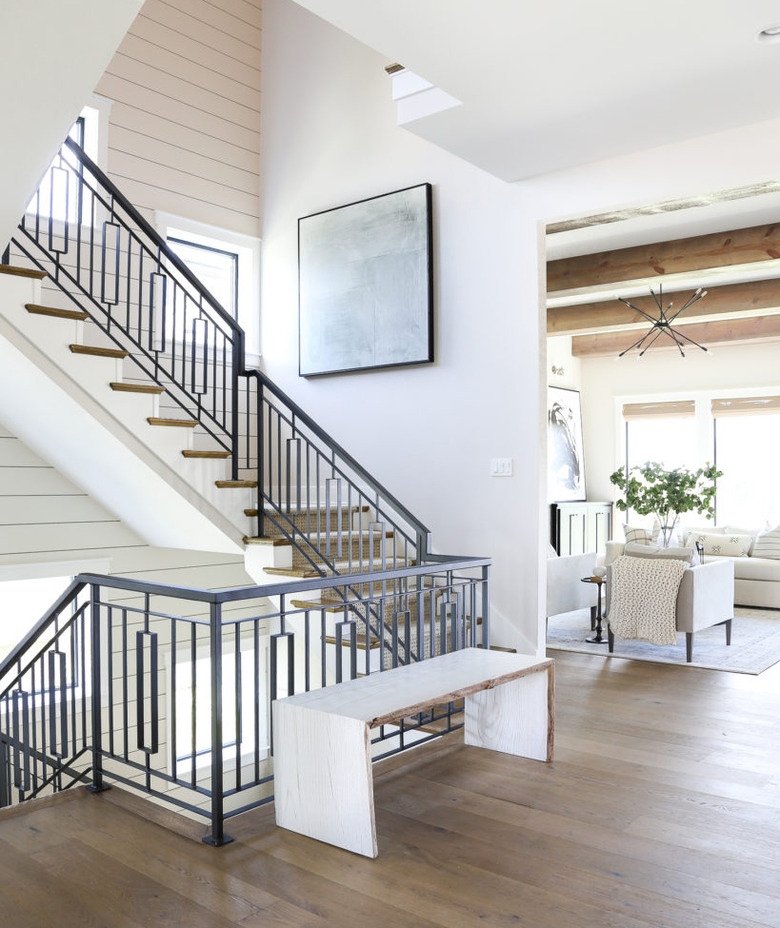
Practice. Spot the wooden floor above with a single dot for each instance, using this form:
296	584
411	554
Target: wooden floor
662	809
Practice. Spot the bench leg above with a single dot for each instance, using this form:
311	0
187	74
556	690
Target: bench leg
515	717
323	785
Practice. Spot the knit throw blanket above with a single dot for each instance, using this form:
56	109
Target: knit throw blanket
643	598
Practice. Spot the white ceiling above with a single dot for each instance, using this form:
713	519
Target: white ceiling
548	84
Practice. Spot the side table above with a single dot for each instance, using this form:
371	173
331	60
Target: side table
596	613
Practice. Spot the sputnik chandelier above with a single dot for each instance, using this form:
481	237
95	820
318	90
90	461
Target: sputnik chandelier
663	324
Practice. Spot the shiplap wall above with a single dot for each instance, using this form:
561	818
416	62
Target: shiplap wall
46	519
184	133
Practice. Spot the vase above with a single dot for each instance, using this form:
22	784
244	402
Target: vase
666	535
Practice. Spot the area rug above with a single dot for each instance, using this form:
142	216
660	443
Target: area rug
755	642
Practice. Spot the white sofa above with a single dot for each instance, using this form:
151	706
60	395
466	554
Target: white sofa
756	579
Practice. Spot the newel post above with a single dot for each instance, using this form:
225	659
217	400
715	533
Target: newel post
217	837
97	785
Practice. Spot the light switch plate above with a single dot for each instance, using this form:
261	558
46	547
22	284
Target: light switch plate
501	467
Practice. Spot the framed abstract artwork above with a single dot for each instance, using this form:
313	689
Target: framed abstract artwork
565	458
365	287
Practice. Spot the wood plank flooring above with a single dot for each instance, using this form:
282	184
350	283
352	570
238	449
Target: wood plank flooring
661	810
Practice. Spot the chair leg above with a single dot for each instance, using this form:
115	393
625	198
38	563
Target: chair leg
728	631
593	617
610	639
688	647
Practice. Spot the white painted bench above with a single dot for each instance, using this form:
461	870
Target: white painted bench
323	785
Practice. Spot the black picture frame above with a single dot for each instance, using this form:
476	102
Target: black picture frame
365	284
565	452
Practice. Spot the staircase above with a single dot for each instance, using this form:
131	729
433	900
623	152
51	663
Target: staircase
124	345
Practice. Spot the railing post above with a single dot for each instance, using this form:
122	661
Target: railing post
5	780
486	607
238	363
260	457
97	785
217	837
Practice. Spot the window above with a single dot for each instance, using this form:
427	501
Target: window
22	603
216	268
663	432
57	195
747	445
191	704
739	434
228	264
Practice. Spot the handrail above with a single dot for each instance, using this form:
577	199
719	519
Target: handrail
317	430
266	590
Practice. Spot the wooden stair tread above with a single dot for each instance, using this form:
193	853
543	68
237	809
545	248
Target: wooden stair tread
261	540
235	484
320	606
174	423
137	388
299	573
15	271
360	642
272	512
206	454
38	310
99	352
309	573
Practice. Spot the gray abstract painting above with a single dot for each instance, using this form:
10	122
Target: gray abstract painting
365	291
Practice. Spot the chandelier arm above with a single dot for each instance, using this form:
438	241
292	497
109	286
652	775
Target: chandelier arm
680	334
694	298
656	332
638	310
673	334
637	343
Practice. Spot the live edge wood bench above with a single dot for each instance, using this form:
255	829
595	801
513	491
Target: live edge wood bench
323	785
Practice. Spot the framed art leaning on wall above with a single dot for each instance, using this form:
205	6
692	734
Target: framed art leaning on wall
565	457
365	287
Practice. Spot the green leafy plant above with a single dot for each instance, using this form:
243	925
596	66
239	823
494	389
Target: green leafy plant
666	494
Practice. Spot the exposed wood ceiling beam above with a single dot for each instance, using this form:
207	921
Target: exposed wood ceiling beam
719	249
731	331
758	296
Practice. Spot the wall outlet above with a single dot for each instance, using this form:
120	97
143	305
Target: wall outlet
501	467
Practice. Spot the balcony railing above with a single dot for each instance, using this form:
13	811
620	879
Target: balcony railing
168	690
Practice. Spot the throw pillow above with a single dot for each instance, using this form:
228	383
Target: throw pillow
717	545
753	532
643	536
654	551
768	544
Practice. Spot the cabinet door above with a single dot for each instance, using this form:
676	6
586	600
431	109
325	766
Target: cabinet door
579	528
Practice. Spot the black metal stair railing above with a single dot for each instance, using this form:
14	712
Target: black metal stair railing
104	256
168	690
102	253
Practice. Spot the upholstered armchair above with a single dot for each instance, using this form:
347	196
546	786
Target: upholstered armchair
565	591
705	598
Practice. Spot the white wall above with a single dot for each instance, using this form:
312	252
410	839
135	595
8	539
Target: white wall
329	138
48	66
